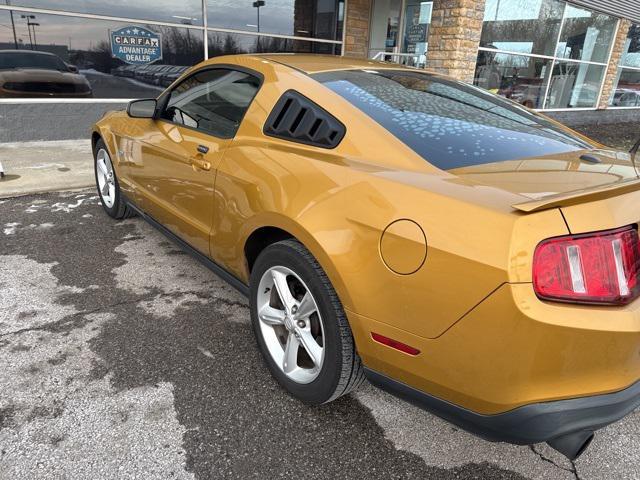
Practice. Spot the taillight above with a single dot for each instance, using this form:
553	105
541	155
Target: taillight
601	268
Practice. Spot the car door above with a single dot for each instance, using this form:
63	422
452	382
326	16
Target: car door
175	171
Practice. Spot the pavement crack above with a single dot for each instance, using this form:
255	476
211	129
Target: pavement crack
571	470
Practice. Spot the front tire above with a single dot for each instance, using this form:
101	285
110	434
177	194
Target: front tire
107	184
300	326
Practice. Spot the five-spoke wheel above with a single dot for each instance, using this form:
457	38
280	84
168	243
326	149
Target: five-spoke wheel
300	325
107	183
291	324
105	177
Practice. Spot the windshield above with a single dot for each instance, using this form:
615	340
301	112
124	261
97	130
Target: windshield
450	124
11	60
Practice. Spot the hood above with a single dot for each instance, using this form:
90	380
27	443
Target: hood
40	75
553	175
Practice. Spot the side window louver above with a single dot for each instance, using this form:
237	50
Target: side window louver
298	119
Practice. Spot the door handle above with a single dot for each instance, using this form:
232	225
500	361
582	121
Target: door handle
198	163
203	149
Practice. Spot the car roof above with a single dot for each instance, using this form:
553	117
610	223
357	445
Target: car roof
310	63
28	52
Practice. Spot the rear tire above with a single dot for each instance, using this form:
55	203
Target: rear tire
107	184
326	365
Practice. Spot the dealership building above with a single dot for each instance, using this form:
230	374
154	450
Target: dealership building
578	61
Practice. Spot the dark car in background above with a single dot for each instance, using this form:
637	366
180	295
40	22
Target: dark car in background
34	74
160	75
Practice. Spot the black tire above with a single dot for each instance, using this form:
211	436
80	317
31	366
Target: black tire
120	209
341	370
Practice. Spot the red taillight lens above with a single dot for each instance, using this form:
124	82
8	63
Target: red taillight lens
601	267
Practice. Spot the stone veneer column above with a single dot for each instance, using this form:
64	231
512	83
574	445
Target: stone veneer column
454	37
356	25
614	63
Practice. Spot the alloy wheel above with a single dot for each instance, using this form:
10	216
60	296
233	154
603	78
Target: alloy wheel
106	178
291	324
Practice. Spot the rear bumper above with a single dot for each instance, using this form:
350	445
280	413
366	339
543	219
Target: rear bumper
528	424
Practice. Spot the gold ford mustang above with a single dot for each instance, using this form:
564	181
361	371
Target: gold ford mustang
453	247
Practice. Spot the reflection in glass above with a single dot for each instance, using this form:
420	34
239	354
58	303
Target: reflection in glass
522	79
575	85
448	123
84	47
627	85
213	101
221	43
299	18
170	11
417	19
627	91
631	57
522	27
385	26
586	35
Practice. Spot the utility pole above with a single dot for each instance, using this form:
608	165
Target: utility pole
29	18
34	25
13	25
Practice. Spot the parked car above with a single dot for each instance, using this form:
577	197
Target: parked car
34	74
626	98
452	247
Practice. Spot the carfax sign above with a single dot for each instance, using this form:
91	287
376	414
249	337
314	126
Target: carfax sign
136	45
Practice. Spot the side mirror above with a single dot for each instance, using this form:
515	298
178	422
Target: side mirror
142	108
72	68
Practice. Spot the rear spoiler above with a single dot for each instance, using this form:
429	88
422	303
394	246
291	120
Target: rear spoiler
579	196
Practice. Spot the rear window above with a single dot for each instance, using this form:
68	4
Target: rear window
450	124
11	60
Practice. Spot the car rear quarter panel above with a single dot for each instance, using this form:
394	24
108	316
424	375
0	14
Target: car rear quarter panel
338	202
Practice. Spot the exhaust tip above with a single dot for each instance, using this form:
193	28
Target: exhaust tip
572	445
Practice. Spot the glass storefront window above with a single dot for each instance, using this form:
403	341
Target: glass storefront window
557	52
298	18
185	11
520	78
586	35
519	26
631	57
223	43
627	91
627	85
67	54
385	26
575	85
89	70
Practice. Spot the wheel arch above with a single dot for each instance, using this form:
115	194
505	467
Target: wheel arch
279	228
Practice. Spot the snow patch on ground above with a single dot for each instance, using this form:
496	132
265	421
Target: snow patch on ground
63	422
174	277
20	308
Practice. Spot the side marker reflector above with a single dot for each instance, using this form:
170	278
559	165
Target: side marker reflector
390	342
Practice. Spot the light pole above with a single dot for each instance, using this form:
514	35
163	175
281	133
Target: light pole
13	25
257	4
34	25
29	18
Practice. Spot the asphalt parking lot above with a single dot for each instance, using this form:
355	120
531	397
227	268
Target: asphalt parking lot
122	357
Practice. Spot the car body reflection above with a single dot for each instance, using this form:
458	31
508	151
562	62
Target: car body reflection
34	74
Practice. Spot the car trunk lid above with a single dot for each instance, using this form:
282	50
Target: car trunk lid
558	180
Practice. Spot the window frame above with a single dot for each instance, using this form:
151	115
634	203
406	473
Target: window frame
163	99
556	59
